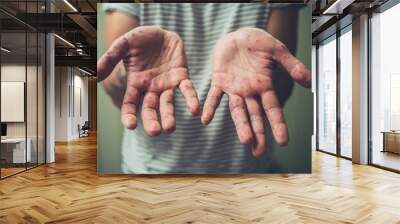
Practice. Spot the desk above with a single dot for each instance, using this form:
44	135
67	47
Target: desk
13	150
391	141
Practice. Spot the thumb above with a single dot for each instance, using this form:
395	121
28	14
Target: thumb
107	62
292	65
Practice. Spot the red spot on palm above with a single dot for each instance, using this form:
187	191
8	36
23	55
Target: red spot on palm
155	64
243	68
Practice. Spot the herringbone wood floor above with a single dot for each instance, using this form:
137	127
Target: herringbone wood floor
70	191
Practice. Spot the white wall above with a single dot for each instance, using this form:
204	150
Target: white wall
16	73
12	73
12	100
61	103
70	83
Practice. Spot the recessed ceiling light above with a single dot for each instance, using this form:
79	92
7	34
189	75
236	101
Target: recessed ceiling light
64	40
70	5
84	71
5	50
337	7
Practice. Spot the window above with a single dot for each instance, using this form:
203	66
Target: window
385	89
327	95
346	92
331	79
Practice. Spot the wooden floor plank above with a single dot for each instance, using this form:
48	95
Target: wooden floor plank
70	191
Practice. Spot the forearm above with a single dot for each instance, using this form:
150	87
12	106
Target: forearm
115	84
283	26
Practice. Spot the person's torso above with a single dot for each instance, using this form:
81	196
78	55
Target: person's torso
193	147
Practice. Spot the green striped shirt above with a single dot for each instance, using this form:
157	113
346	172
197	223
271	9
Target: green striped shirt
193	147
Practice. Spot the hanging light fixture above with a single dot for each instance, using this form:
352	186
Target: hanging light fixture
70	5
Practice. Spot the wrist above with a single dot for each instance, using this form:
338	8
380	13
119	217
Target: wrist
115	84
115	81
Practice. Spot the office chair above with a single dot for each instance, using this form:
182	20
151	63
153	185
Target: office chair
84	130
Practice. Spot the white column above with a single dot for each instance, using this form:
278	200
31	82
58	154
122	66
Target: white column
50	93
50	110
360	90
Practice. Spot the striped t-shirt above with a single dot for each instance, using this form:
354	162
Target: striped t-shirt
194	147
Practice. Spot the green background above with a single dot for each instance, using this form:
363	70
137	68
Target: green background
298	111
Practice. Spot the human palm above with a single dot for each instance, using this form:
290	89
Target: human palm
243	67
155	64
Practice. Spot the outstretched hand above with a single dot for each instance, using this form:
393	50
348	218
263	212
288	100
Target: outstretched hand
243	67
155	65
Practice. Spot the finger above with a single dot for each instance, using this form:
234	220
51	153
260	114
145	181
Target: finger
257	124
239	117
292	65
212	101
167	110
128	107
149	114
190	95
107	62
274	113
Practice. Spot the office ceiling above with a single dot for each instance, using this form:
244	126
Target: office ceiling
40	6
15	42
73	20
332	15
77	24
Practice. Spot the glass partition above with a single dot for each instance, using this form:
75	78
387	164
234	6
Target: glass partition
385	89
327	95
22	88
14	153
346	92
